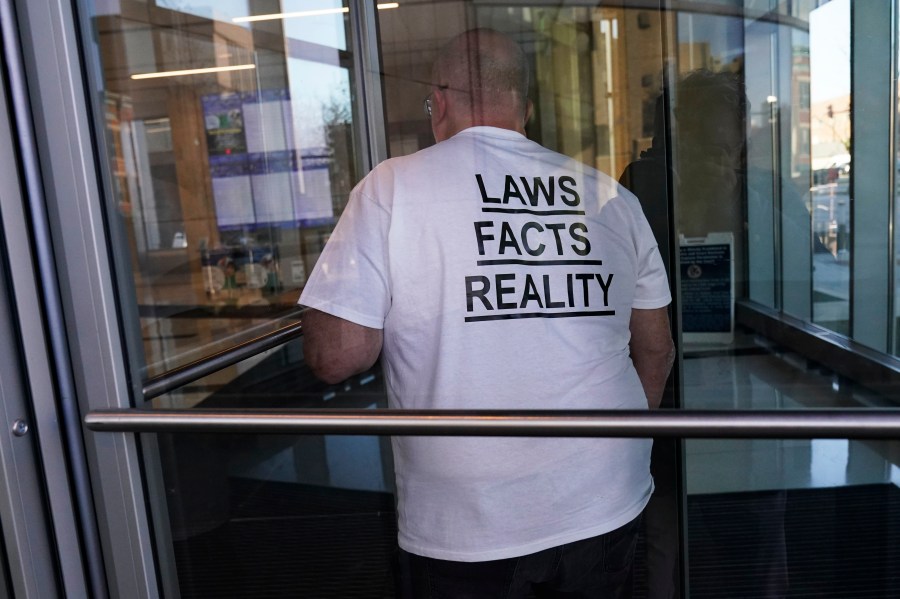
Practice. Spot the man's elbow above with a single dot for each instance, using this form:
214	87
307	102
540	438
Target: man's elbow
332	366
332	377
336	349
326	370
660	355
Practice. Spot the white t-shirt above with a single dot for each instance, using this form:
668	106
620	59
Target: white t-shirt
503	275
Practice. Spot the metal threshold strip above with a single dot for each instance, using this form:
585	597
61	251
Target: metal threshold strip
708	424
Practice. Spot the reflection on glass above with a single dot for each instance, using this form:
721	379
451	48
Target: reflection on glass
596	74
222	10
232	152
231	148
830	139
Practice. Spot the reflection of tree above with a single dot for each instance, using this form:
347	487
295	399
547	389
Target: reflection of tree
843	136
337	127
337	111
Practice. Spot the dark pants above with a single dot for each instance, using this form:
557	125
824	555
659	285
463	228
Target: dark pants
599	567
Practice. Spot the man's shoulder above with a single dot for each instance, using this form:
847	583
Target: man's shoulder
397	173
422	167
407	162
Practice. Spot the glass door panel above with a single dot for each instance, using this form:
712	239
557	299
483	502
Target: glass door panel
231	141
231	150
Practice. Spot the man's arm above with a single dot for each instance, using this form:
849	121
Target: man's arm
652	351
335	348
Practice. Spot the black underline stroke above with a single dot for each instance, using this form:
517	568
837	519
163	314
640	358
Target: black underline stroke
539	262
537	212
539	315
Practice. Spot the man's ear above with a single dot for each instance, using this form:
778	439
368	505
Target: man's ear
529	110
438	104
439	115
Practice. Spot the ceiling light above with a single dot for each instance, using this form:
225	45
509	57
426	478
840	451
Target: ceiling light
291	15
306	13
239	67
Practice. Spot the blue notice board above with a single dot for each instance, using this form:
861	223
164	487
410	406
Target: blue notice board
707	288
260	176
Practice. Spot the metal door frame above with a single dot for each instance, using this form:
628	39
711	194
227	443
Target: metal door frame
28	541
67	216
44	552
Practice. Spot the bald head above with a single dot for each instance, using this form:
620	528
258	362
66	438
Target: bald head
483	75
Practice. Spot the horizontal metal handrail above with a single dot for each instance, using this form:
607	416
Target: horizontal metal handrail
718	424
205	366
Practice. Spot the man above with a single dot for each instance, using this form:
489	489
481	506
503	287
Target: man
493	273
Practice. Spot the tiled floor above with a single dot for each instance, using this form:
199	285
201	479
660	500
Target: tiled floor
785	518
757	376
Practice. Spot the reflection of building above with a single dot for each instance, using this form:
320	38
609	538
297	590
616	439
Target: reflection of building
800	111
693	56
221	159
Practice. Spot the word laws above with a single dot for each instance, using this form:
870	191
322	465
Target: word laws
531	191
